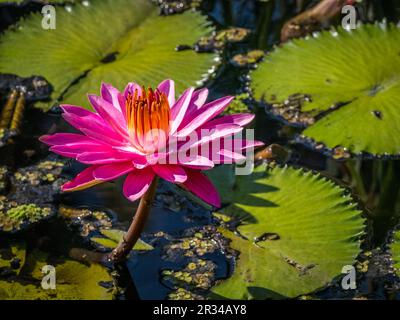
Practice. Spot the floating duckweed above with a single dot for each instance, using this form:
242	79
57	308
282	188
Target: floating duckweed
168	7
238	105
251	57
21	206
191	266
29	212
197	244
232	35
362	266
44	172
86	220
218	40
340	153
182	294
13	217
198	235
50	165
291	109
198	274
222	217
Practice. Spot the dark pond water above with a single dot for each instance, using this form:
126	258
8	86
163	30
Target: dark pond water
375	183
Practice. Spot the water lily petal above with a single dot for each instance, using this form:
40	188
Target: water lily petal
201	186
171	173
232	155
215	133
112	171
246	144
240	119
74	150
198	162
113	96
168	87
137	182
207	112
105	157
66	138
78	111
199	98
178	111
130	89
91	127
110	114
82	181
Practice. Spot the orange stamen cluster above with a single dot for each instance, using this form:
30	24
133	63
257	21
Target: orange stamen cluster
147	112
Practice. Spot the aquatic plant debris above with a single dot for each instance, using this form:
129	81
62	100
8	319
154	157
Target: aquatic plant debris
218	40
344	97
35	88
168	7
86	221
20	207
248	58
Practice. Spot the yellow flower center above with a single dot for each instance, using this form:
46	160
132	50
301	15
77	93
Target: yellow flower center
147	112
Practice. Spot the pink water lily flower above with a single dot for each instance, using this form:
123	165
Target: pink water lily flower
128	134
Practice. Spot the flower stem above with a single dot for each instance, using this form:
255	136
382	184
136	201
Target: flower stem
132	235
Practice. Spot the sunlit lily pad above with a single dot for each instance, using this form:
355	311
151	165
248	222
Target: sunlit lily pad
74	281
298	231
395	248
343	84
39	1
112	237
115	41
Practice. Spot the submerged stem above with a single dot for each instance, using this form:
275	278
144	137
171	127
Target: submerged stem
132	235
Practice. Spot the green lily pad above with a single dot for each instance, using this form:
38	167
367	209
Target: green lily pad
395	248
11	1
223	177
74	281
114	41
112	237
297	229
39	1
344	84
